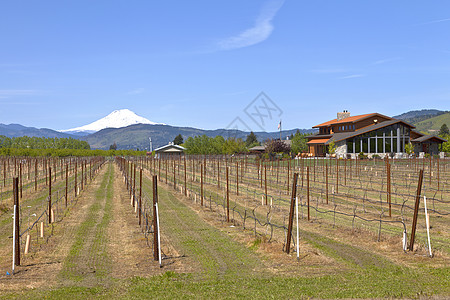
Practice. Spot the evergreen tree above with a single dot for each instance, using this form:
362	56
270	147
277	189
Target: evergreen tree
444	130
178	140
113	146
251	140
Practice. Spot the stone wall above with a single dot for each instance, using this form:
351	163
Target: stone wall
341	149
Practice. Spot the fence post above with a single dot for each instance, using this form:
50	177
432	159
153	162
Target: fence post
174	176
134	185
389	186
326	182
185	177
201	185
237	178
337	176
265	182
20	179
140	196
35	173
67	181
75	187
291	213
416	211
16	222
155	231
82	175
218	173
228	200
307	188
50	195
288	170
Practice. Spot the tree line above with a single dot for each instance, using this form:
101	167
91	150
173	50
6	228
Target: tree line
219	145
25	142
60	147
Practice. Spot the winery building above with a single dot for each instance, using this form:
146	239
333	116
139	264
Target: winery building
371	134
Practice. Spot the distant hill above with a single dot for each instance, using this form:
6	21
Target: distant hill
416	116
137	136
17	130
432	125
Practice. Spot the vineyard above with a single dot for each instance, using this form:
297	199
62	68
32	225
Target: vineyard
302	216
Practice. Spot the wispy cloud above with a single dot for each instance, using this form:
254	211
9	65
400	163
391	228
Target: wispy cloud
386	60
12	93
136	91
329	71
436	21
352	76
258	33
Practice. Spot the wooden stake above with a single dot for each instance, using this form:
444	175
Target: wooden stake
291	213
416	211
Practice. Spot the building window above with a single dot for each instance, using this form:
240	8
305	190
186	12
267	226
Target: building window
350	146
373	145
365	146
380	145
357	145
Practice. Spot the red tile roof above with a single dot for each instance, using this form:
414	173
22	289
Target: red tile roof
346	120
318	141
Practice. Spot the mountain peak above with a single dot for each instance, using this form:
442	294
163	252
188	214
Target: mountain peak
117	119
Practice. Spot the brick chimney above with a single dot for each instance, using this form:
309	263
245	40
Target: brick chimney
343	115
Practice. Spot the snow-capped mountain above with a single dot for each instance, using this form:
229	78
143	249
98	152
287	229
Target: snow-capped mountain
116	119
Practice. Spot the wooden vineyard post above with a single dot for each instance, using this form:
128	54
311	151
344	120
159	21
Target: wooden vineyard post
140	197
4	172
75	187
337	176
201	185
291	213
278	169
159	167
82	175
166	162
237	178
307	189
228	200
218	173
388	174
50	195
20	179
185	176
35	174
45	168
326	180
193	170
260	175
429	173
288	169
134	185
314	169
174	174
265	182
257	169
416	211
438	173
345	171
67	181
155	231
16	240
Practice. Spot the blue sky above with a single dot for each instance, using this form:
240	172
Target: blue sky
200	63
